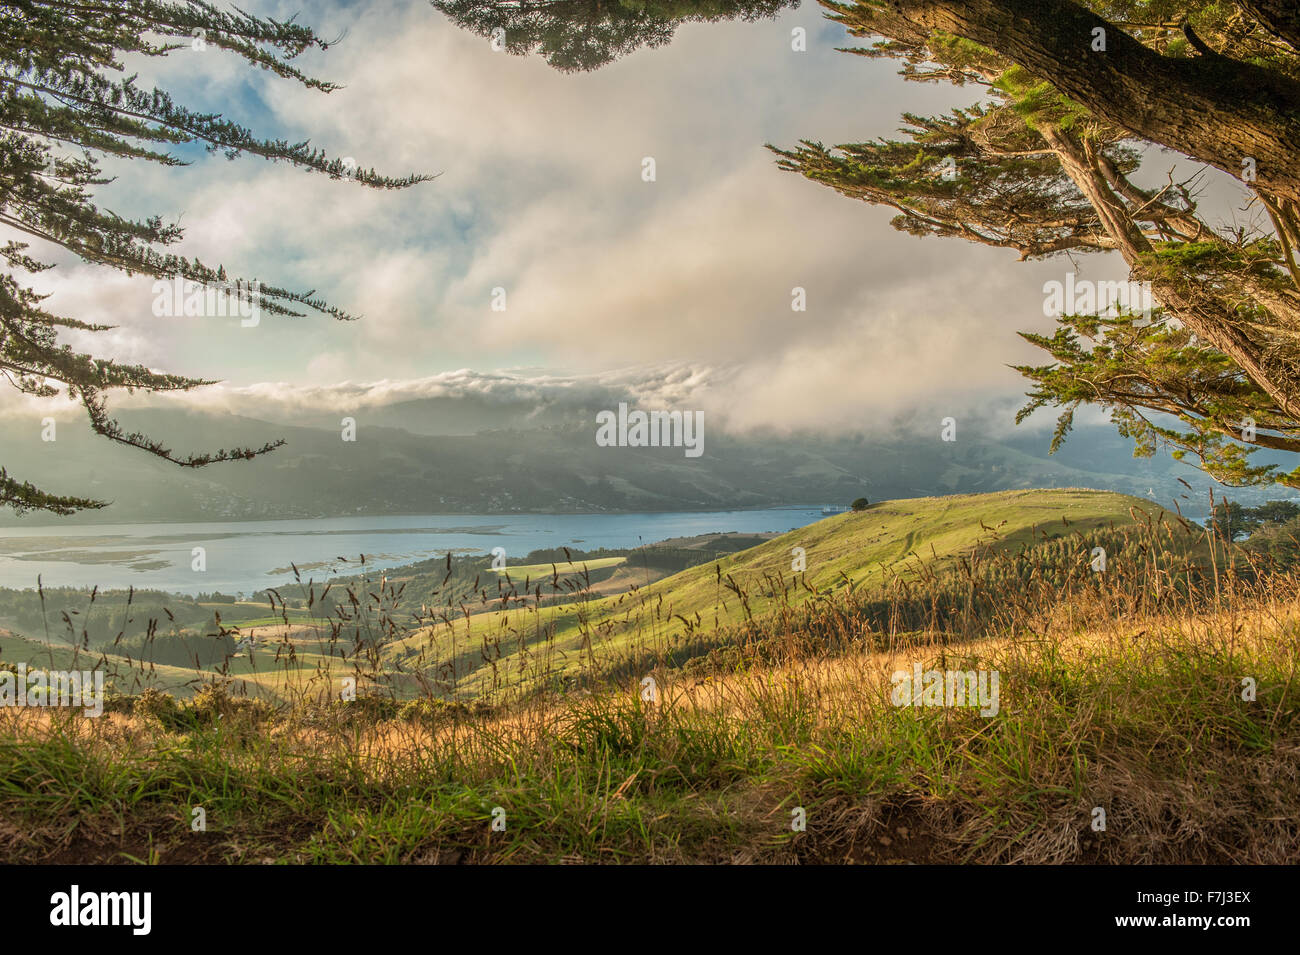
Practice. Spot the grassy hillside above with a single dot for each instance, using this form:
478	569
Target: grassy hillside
523	572
543	624
1119	691
499	644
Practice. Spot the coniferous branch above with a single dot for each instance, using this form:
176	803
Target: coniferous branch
23	496
66	103
1036	172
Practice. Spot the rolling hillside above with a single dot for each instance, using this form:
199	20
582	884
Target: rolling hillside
501	646
546	621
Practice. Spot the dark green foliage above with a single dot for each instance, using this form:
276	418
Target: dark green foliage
1229	520
1203	404
574	35
1278	542
1274	512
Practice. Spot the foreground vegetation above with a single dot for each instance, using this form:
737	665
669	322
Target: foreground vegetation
461	629
1160	692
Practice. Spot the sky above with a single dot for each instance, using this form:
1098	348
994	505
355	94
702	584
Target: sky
678	290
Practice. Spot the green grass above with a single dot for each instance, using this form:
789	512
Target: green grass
1156	734
889	539
522	572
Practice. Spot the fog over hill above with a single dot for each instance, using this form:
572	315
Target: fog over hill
554	466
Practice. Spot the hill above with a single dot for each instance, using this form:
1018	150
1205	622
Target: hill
1116	696
388	470
513	640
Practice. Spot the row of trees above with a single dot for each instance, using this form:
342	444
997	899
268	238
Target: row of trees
1233	521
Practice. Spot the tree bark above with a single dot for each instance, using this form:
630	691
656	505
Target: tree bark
1280	17
1214	109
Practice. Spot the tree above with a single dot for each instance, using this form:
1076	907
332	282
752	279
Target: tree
67	104
1143	66
1215	371
1275	512
1278	542
1229	520
861	504
574	35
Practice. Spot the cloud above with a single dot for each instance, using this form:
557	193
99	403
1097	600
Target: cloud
676	291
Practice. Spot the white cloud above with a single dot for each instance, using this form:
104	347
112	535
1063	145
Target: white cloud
678	290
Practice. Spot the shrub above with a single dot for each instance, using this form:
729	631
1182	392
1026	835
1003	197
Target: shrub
213	702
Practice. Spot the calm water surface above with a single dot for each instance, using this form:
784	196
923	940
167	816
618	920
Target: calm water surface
246	556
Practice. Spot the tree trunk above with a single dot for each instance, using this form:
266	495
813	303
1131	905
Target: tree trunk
1280	17
1214	109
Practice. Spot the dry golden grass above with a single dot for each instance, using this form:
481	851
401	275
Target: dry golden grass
1125	696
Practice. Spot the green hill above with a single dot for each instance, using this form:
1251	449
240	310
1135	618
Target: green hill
512	639
507	645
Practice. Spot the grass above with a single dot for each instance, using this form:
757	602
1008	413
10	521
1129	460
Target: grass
1123	695
525	572
855	550
1154	732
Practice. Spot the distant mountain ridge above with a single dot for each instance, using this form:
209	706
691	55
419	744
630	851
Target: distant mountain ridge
556	468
